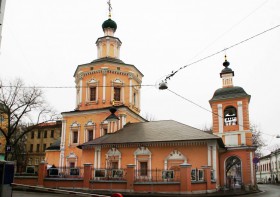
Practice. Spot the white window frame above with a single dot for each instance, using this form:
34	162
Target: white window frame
92	83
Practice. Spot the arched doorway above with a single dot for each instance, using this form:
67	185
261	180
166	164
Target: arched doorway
233	172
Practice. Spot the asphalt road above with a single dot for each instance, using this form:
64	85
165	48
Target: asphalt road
267	191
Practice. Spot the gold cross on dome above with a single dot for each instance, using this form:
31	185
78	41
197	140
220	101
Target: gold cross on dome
110	7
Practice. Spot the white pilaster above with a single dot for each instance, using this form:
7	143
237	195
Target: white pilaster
240	115
107	46
214	157
104	72
81	90
220	118
62	143
130	88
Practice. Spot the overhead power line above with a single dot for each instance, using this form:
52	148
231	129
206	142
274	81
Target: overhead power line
192	102
67	87
218	52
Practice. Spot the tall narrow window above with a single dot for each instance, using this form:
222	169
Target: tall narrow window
32	135
75	136
105	131
143	168
193	175
44	147
45	134
92	93
39	134
115	165
38	148
134	98
72	164
90	134
31	148
117	94
52	133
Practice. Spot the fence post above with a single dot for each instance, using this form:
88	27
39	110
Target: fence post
207	175
42	172
185	178
130	177
87	174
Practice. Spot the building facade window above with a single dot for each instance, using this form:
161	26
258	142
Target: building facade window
230	116
143	168
90	134
45	134
39	134
92	93
31	148
198	175
32	135
52	133
74	134
38	148
30	161
44	147
117	94
143	157
74	137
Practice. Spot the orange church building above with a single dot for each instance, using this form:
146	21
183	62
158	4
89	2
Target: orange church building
106	132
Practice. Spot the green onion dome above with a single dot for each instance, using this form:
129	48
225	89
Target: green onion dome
109	24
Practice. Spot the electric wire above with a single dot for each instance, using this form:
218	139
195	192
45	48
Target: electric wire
230	29
218	52
184	98
69	87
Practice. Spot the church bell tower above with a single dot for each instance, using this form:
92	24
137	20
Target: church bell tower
230	108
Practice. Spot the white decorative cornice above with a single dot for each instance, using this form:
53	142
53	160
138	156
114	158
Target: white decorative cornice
75	124
142	151
176	155
113	152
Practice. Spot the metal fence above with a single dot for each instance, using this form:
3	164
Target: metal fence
65	172
157	175
109	174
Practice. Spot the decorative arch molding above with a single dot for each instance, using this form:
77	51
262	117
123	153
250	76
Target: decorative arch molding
75	125
143	162
142	151
92	81
117	91
92	91
174	155
74	133
233	169
103	127
89	131
113	155
90	123
71	159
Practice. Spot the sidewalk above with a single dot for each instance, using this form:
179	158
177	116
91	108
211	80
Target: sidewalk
81	192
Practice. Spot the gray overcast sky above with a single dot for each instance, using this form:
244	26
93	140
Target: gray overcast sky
44	41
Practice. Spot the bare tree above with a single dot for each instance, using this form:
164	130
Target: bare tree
257	139
207	129
149	117
21	105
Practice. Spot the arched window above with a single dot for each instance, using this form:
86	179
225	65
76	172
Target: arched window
92	91
230	116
